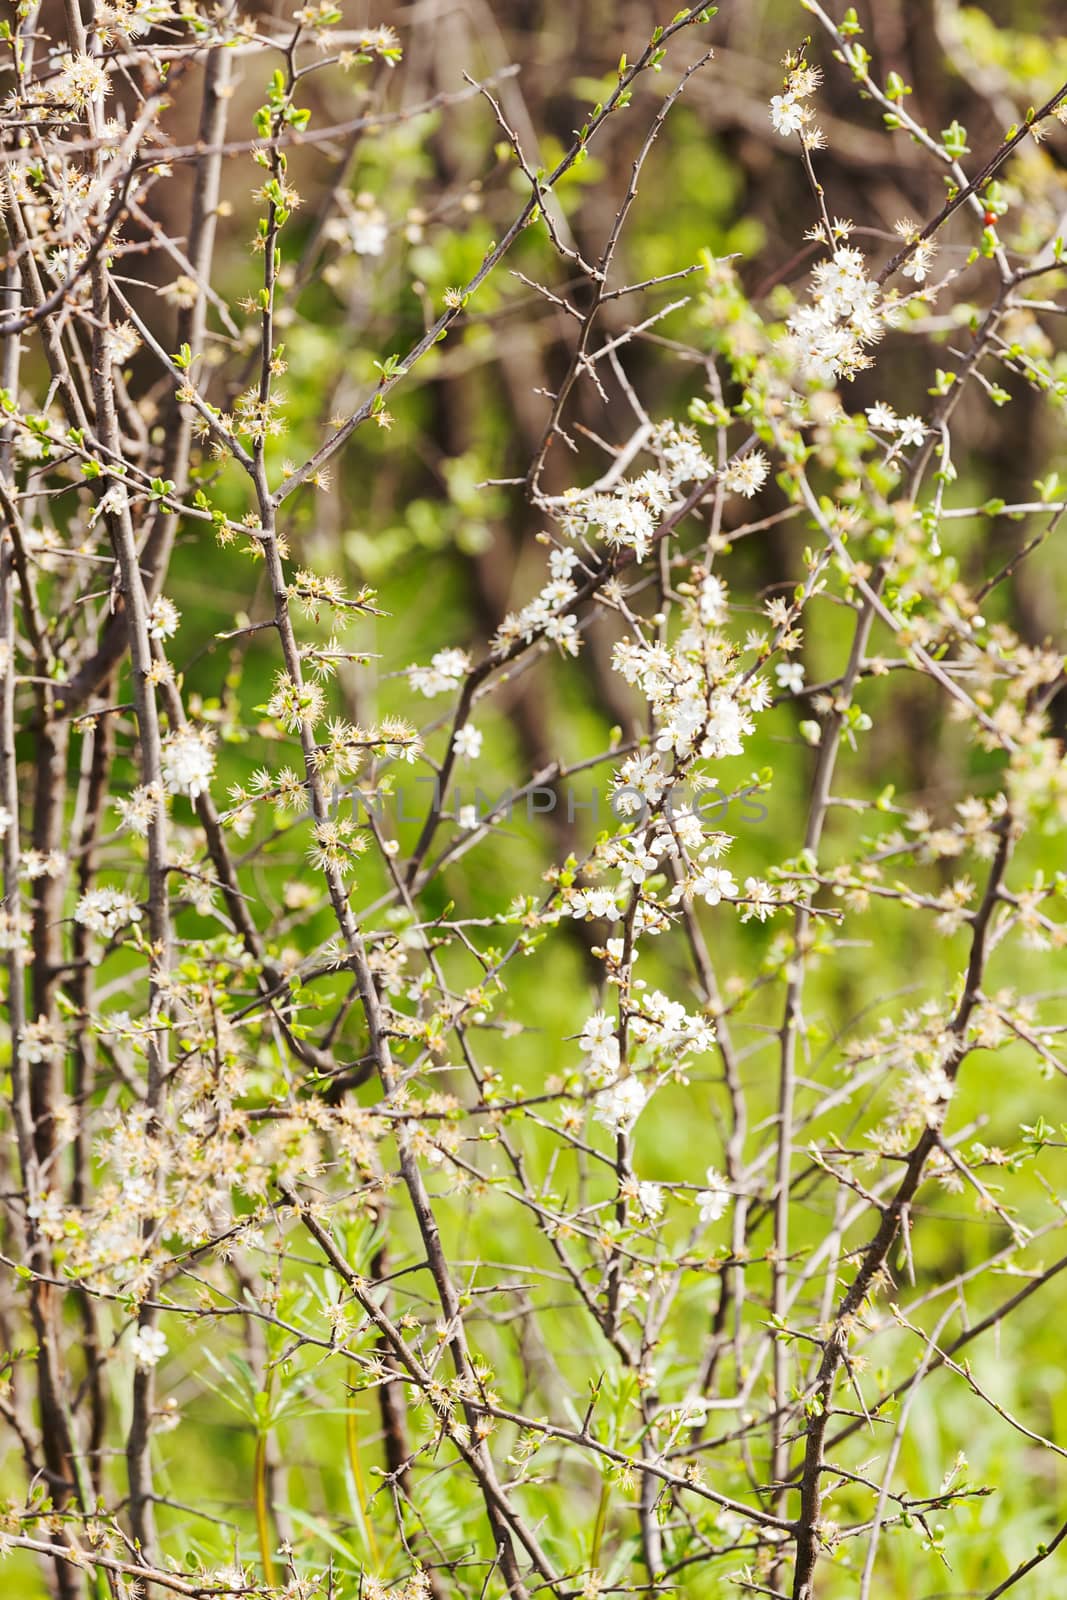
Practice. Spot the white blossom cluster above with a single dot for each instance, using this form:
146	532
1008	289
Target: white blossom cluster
445	673
547	613
789	113
105	911
188	761
844	316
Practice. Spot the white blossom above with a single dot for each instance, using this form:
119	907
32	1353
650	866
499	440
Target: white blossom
563	631
747	474
760	902
163	618
446	672
82	81
188	761
693	1411
912	430
368	226
599	1042
105	911
787	114
137	809
468	741
713	1200
42	1041
149	1346
619	1106
593	904
713	884
727	724
844	314
43	864
882	418
713	601
123	343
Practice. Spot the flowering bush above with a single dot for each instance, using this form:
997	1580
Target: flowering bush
603	1184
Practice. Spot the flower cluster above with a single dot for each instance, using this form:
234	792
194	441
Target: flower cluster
188	761
844	316
445	673
105	911
549	613
789	113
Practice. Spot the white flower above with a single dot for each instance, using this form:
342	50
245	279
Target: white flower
748	474
655	489
922	1096
787	115
106	910
596	1030
593	904
633	860
114	500
686	830
368	235
727	723
35	864
882	418
468	818
626	517
713	883
83	79
231	1578
163	619
184	291
385	42
563	631
149	1346
446	671
918	263
47	1210
761	901
712	1201
641	778
123	342
803	81
42	1041
468	741
682	456
650	1199
137	809
599	1043
188	761
619	1107
790	675
6	819
912	430
844	314
713	608
368	226
131	18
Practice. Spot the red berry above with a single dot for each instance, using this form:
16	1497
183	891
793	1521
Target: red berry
990	219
